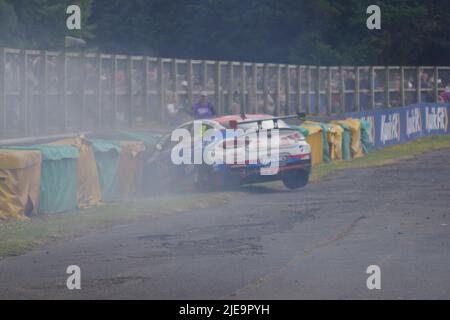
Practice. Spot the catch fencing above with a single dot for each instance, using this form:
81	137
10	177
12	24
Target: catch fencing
46	92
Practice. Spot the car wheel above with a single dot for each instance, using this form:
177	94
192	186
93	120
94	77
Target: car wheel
201	178
232	182
295	179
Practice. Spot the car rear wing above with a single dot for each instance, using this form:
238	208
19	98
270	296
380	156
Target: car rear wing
234	123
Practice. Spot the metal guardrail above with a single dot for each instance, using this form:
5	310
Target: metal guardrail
45	92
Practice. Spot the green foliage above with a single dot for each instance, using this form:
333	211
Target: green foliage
40	23
326	32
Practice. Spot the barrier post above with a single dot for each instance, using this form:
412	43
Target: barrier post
2	93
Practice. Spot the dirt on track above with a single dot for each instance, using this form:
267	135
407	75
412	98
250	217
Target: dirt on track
271	244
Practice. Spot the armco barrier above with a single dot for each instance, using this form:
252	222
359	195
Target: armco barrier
400	125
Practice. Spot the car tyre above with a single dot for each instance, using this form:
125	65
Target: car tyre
295	179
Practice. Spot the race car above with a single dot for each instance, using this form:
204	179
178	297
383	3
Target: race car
233	150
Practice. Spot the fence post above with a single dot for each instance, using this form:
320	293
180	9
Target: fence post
231	89
82	96
357	93
2	93
402	86
287	107
204	74
298	107
130	91
278	91
145	91
265	87
254	89
62	76
372	87
436	85
419	85
161	90
174	71
329	91
23	90
218	88
99	91
342	89
189	82
242	89
308	90
44	124
387	102
114	90
317	86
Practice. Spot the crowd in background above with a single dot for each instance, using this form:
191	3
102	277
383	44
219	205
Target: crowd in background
178	104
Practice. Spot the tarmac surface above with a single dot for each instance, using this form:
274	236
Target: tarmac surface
314	243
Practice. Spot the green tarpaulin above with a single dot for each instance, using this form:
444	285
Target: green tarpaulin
300	129
365	135
107	154
58	189
149	138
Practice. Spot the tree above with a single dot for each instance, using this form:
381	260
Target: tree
40	23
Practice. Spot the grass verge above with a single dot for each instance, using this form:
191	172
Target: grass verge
388	155
16	237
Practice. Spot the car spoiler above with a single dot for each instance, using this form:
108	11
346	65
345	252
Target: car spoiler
234	123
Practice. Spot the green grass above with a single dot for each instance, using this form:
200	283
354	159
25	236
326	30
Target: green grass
384	156
17	237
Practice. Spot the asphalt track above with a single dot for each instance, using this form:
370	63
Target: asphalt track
270	244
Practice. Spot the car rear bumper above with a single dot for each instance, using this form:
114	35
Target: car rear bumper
254	173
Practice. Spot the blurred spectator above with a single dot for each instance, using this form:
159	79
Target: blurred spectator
203	109
445	96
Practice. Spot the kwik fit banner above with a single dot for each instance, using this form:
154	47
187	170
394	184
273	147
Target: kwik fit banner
399	125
